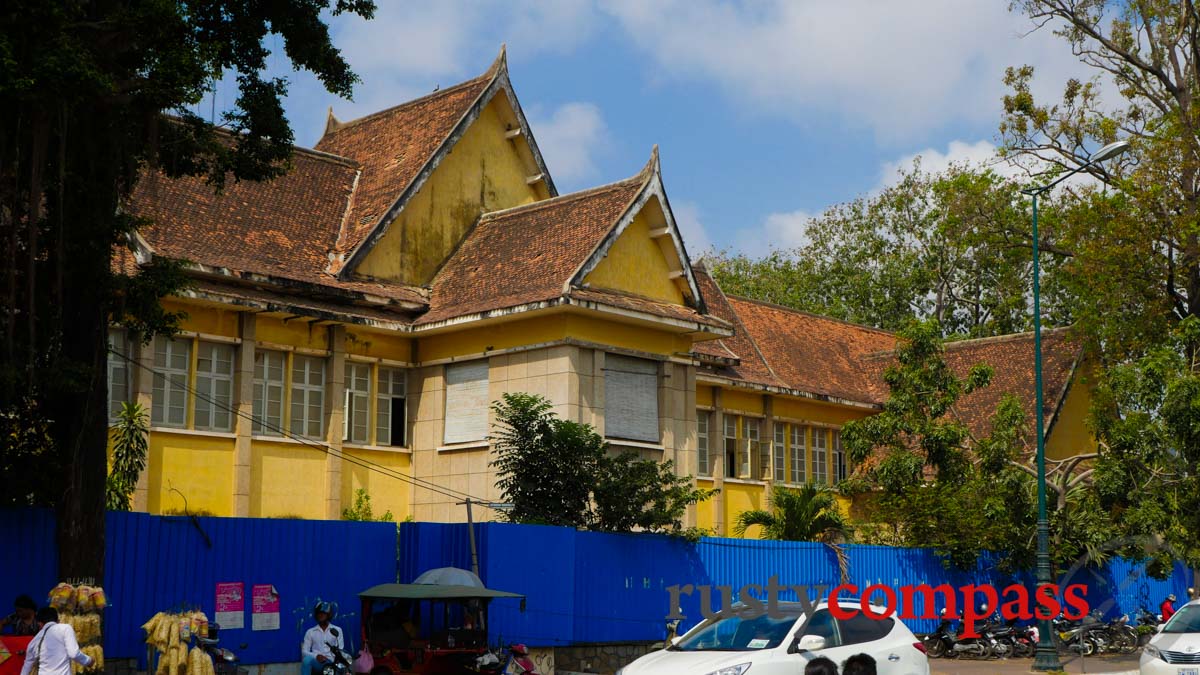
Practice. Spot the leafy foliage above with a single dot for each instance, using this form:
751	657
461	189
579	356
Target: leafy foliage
131	442
807	513
362	510
558	472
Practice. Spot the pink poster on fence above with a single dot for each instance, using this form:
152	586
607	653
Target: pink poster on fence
231	605
264	607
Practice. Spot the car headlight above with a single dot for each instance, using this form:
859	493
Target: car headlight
732	670
1152	652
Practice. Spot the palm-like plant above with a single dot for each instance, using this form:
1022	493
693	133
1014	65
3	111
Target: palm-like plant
807	513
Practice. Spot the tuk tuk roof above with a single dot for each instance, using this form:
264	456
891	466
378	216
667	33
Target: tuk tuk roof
432	592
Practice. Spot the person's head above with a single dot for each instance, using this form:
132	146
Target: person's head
25	607
1171	598
323	613
47	614
859	664
821	666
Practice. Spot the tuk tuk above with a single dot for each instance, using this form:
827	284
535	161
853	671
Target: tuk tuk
427	628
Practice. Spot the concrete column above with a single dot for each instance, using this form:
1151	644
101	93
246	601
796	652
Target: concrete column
243	423
336	389
717	462
142	380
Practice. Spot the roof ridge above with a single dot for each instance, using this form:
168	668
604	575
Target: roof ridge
814	315
555	201
420	99
328	157
1007	337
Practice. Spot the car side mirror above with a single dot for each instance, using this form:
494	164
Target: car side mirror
808	643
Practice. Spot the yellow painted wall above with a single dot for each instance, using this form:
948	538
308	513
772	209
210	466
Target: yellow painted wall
741	497
704	395
205	318
609	332
705	509
387	493
297	332
201	467
741	401
1070	434
636	263
815	411
483	172
286	479
378	345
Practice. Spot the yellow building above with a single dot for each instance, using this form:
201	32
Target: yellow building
349	324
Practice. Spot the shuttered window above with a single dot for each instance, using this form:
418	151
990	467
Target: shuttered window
702	466
820	447
797	448
356	417
214	387
269	368
631	398
466	402
731	445
840	465
748	447
118	373
172	360
779	450
390	409
308	396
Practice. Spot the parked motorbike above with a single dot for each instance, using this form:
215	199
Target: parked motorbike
945	642
515	661
225	662
1082	637
1018	642
1121	637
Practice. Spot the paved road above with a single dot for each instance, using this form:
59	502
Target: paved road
1072	664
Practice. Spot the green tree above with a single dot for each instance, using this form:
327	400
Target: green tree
546	466
932	246
87	88
558	472
807	513
362	510
131	442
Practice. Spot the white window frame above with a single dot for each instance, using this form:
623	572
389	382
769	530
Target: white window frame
820	446
840	467
729	444
268	390
748	446
703	420
171	381
396	388
799	444
631	399
466	413
779	452
213	404
305	396
356	411
120	389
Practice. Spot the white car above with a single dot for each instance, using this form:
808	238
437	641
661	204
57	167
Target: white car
1175	650
734	642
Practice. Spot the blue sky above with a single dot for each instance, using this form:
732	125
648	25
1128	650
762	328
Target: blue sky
766	113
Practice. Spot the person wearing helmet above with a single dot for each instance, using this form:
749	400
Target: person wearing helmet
1167	607
320	640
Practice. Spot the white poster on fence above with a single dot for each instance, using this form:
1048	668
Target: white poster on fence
231	605
264	607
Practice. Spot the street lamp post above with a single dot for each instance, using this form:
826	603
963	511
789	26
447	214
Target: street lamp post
1047	654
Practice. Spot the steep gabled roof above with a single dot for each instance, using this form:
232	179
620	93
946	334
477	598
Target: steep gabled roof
735	357
814	354
283	228
398	149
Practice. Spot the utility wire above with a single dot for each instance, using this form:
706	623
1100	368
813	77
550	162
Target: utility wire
316	445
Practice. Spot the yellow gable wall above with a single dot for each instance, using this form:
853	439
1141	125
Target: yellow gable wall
636	263
482	172
1070	434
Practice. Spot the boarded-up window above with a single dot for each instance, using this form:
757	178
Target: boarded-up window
631	398
466	402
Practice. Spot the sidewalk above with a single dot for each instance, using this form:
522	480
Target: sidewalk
1126	664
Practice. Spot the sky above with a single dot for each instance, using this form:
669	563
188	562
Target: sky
766	113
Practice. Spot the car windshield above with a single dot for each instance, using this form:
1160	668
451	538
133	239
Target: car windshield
739	630
1186	620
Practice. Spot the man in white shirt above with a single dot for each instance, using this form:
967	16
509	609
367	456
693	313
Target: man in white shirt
54	647
319	641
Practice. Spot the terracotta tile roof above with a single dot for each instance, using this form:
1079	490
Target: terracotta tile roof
645	305
284	228
277	301
527	254
393	146
750	367
814	354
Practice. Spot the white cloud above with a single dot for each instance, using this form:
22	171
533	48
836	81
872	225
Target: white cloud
695	238
899	68
780	231
569	139
933	160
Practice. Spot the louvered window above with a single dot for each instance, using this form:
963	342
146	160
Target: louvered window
466	402
631	398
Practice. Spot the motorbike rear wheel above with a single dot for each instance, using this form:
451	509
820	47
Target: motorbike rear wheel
1087	646
935	648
